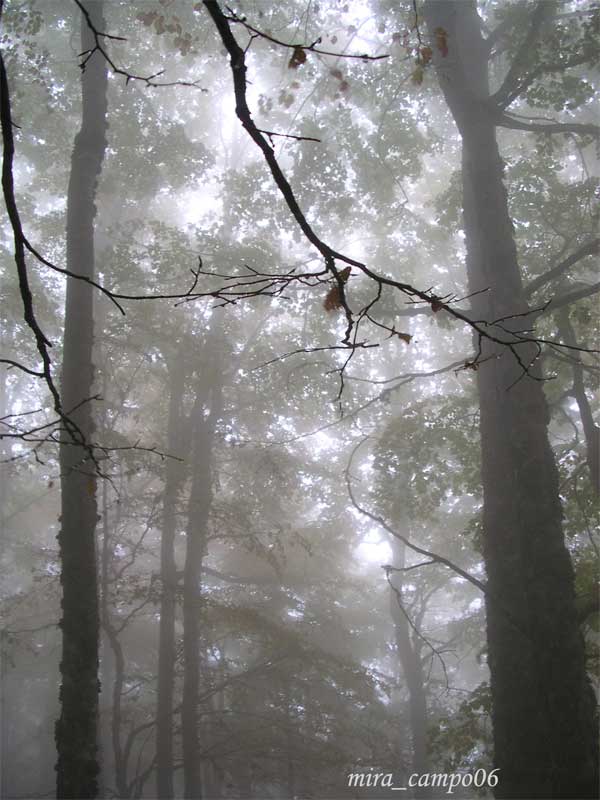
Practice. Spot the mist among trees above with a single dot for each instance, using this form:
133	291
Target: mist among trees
300	452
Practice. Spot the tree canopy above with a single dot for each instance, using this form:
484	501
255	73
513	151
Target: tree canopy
299	351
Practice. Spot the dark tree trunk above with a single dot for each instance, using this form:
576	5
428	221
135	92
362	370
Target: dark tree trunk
206	412
76	729
174	479
545	737
410	660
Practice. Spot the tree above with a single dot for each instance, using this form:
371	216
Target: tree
174	478
204	416
545	745
77	765
286	679
530	591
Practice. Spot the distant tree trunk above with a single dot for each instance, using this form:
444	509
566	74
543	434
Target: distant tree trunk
290	747
205	414
76	729
545	736
174	479
412	670
591	431
107	660
120	763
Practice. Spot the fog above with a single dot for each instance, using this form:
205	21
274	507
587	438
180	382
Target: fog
299	440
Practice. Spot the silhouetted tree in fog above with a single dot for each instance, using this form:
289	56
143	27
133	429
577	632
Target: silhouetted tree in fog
77	765
543	707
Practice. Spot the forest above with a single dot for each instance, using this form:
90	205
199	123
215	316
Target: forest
299	431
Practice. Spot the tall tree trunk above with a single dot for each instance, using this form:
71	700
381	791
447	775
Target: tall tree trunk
545	737
412	670
591	431
76	729
107	661
203	426
174	479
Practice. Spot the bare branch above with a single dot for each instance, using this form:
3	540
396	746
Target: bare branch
42	342
401	380
148	80
484	329
567	300
398	595
434	558
521	74
586	249
22	367
231	16
582	128
8	189
517	73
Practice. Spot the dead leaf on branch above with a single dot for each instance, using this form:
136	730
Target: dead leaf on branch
333	298
425	55
298	58
406	337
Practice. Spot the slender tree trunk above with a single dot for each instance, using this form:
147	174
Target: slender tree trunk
76	729
412	670
290	764
106	654
174	479
113	676
545	737
195	550
120	764
203	427
591	431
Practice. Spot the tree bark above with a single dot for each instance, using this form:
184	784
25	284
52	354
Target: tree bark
543	711
76	729
174	479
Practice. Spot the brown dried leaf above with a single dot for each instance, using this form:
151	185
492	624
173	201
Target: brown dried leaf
332	300
298	57
426	54
406	337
